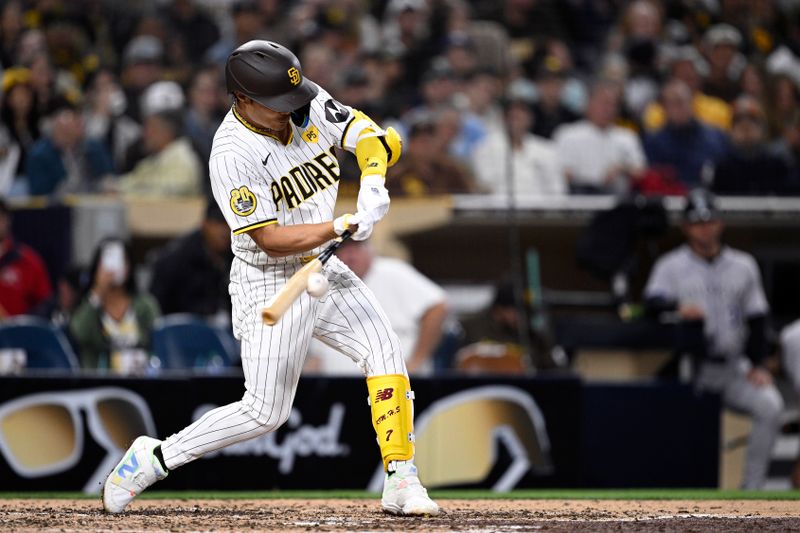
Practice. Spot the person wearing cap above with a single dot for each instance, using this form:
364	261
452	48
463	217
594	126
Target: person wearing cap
275	177
751	166
688	65
716	291
721	45
190	274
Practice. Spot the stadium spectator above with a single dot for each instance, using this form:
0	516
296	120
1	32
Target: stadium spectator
105	117
716	292
438	88
416	308
549	112
783	99
171	168
597	156
24	282
458	131
687	65
207	105
637	45
142	65
684	148
248	24
190	274
192	25
9	160
11	28
65	161
527	23
722	43
787	146
483	90
493	339
534	163
751	167
59	307
162	96
113	317
412	32
18	112
51	84
425	167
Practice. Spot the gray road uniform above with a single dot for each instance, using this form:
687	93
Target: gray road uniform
729	291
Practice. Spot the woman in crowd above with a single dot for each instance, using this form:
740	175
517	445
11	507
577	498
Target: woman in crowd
114	320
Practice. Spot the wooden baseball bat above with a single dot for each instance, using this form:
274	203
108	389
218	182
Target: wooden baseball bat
284	298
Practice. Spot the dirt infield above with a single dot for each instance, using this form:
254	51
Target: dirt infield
364	515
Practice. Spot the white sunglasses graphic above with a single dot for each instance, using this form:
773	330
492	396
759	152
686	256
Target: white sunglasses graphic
459	438
42	434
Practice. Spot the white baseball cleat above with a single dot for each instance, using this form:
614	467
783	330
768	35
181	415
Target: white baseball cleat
138	470
404	495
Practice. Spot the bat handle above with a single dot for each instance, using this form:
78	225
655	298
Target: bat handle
332	247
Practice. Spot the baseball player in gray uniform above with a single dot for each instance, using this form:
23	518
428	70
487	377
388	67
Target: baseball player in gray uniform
275	176
705	281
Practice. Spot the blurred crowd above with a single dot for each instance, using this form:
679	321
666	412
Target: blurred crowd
538	97
534	97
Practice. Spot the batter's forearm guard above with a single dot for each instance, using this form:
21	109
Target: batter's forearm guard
392	406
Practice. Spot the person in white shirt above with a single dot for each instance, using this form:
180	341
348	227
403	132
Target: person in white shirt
534	164
599	157
416	308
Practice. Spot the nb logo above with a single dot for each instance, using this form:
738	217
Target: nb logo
294	75
128	468
383	394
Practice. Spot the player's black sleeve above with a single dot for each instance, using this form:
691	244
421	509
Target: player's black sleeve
757	346
654	306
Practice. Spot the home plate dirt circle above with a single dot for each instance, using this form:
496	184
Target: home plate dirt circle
27	515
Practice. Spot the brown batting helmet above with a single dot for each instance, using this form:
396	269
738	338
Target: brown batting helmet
270	74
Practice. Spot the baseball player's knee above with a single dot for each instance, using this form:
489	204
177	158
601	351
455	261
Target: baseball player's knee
769	405
265	413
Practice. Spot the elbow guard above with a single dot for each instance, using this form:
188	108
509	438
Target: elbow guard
376	149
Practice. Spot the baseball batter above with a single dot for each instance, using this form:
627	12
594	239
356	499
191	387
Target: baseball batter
275	177
706	281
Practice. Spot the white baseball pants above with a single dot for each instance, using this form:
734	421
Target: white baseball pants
348	318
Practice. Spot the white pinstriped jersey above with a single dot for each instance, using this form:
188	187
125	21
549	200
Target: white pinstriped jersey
257	180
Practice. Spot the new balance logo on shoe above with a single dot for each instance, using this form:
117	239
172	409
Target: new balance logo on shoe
128	467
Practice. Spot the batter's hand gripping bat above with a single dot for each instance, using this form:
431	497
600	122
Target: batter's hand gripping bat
283	299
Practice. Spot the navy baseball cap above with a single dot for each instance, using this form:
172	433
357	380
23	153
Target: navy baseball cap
701	206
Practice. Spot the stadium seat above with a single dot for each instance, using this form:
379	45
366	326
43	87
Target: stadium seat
185	341
45	346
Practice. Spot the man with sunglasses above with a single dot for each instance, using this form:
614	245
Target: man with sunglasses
275	176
